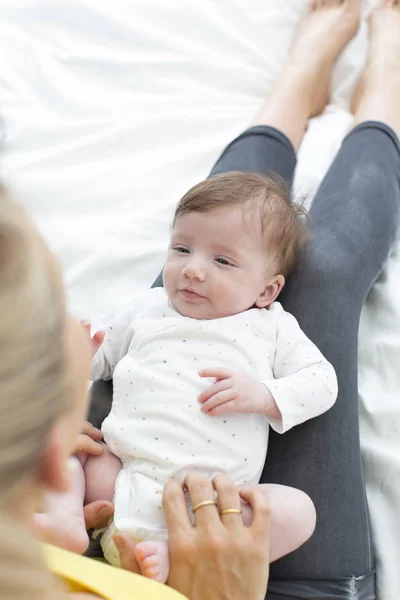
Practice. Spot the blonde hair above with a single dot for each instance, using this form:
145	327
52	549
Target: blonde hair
33	385
283	222
33	363
23	571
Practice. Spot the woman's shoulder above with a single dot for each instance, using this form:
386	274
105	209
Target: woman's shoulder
83	574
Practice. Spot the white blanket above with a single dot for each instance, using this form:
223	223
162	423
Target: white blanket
113	109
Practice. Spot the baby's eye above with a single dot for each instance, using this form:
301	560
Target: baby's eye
223	261
181	249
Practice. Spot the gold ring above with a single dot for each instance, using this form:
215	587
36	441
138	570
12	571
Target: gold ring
205	503
231	511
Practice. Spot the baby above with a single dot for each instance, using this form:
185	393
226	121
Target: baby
203	367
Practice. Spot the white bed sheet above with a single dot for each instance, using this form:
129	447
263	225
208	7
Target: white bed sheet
113	109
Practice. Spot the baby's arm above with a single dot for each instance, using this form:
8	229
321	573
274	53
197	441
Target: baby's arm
305	383
111	344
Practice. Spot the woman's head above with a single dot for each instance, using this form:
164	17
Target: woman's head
42	379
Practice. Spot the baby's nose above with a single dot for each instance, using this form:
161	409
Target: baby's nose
195	270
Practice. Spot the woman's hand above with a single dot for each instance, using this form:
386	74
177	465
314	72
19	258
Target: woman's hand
218	558
88	440
97	514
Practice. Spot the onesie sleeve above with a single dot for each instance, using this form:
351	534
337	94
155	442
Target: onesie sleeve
118	336
304	384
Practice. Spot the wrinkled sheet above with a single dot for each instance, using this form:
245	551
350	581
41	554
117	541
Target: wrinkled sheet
112	110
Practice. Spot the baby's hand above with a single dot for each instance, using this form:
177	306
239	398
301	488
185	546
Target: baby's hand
97	339
234	392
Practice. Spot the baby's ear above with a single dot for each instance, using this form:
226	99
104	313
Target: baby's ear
271	291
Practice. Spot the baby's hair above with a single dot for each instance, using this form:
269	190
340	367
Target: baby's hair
283	222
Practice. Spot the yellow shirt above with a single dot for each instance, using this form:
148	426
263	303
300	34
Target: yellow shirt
83	574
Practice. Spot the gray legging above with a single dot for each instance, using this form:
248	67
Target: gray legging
354	221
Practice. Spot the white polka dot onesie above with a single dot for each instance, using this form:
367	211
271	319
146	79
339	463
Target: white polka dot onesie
156	426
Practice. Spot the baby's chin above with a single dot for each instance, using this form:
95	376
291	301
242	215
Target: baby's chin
202	313
195	313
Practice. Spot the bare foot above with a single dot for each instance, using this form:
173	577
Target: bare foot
69	534
153	558
322	36
377	96
302	90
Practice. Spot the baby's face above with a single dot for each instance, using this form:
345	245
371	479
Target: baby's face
216	264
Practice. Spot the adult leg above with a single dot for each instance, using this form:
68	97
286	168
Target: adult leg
354	222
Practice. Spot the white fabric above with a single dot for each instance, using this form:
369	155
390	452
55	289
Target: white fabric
113	109
156	426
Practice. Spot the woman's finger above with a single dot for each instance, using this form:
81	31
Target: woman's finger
229	504
175	509
261	523
216	372
97	514
126	548
219	399
204	505
220	386
86	444
91	431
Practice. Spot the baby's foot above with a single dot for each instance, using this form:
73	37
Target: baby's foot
68	532
382	70
321	37
153	558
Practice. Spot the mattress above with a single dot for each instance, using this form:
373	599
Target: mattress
112	110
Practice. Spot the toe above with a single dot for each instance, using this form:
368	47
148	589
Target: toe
152	573
144	549
151	561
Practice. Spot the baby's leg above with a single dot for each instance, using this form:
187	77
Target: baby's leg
293	518
100	474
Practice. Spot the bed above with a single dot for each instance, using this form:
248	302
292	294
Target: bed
111	110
